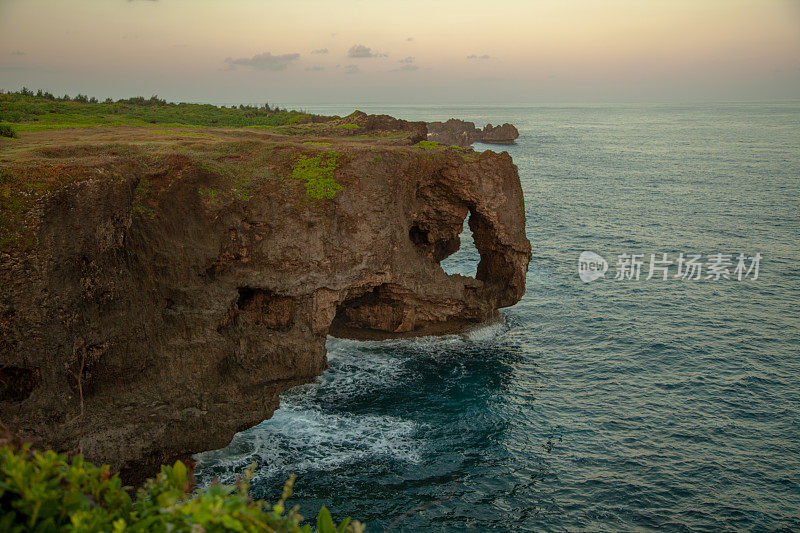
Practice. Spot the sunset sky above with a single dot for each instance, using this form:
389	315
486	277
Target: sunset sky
380	51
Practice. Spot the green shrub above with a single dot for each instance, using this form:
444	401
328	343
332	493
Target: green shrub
428	145
347	126
45	492
7	131
317	172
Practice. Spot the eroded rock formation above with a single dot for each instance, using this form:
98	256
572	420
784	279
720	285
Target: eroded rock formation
461	133
415	131
160	309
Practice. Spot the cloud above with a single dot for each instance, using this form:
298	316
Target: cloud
17	53
265	61
315	68
474	56
320	51
360	51
352	69
408	65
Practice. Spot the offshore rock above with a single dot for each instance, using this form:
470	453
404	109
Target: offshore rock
461	133
505	134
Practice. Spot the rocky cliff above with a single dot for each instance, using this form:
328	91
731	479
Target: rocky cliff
161	287
461	133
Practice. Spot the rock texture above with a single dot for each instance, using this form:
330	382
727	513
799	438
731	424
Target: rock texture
140	328
505	134
416	131
461	133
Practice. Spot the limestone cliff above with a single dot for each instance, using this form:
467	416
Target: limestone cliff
160	288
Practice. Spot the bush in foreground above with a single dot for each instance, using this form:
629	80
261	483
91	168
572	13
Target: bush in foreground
46	492
7	131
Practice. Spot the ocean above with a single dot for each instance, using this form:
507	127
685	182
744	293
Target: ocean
618	404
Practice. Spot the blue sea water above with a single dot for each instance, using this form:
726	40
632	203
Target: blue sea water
604	406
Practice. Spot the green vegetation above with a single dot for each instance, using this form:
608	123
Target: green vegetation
309	128
208	192
42	111
7	131
211	195
347	126
141	197
315	143
182	133
428	145
46	492
318	172
241	167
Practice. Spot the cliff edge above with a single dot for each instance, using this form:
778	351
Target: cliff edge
162	286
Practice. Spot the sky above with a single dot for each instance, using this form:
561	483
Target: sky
405	51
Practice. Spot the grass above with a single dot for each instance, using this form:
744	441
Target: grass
193	134
141	198
27	112
317	173
241	168
211	195
301	129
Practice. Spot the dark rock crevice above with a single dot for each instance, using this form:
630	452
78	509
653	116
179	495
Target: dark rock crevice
265	307
18	383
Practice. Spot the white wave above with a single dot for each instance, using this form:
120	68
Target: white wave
488	332
301	436
297	440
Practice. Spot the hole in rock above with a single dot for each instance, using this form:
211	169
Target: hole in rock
418	235
376	309
17	383
465	260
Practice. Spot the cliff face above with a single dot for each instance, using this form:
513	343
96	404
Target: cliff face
157	300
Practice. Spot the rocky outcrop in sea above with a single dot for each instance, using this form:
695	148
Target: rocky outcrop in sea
461	133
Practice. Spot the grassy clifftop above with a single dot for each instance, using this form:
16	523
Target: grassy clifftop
60	142
26	111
